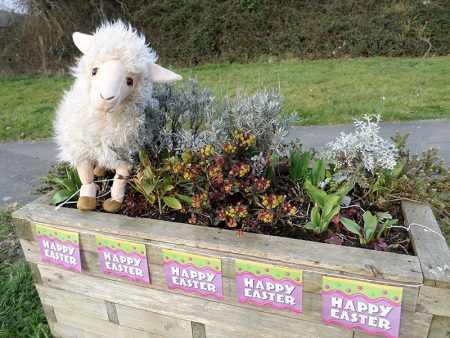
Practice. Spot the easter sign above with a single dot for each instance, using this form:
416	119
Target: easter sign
123	259
59	247
373	308
262	284
193	273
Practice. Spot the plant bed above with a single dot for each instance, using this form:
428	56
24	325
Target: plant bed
91	303
145	271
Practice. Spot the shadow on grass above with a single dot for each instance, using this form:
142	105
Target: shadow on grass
21	313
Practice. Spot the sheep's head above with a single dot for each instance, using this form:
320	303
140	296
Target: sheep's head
117	65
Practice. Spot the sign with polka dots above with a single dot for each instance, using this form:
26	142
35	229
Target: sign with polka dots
193	273
59	247
268	285
123	259
373	308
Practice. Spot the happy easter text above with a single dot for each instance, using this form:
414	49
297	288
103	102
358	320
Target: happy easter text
59	252
123	264
193	279
360	312
272	291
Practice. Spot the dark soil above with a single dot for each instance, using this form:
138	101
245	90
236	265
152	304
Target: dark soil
395	240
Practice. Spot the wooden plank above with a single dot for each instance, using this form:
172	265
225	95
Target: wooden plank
73	302
66	331
414	324
153	322
440	327
22	228
112	312
49	312
313	278
238	332
98	326
191	309
428	243
198	330
377	264
361	334
154	255
37	279
91	266
434	300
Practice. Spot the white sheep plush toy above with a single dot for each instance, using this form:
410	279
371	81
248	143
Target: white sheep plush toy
103	112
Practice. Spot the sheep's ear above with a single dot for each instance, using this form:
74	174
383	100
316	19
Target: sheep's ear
83	41
160	74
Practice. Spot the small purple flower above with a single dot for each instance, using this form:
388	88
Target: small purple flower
380	244
336	240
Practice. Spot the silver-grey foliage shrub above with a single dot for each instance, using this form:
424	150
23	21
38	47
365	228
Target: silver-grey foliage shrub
189	118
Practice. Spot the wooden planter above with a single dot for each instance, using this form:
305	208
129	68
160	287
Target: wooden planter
93	304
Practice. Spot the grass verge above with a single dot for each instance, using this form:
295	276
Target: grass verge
323	91
21	313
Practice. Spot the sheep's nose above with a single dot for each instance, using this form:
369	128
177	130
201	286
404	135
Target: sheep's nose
107	99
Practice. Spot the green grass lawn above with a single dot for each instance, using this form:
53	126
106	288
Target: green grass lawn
21	313
323	92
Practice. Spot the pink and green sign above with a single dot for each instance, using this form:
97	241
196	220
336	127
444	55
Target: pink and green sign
268	285
373	308
123	259
59	247
193	273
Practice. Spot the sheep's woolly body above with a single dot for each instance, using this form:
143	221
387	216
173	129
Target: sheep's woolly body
85	134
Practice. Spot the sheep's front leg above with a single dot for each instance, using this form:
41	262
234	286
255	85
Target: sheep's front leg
88	191
114	203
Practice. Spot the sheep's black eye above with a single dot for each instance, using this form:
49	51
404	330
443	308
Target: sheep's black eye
129	81
94	71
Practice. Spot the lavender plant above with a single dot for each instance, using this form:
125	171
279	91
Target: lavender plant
189	119
259	115
176	119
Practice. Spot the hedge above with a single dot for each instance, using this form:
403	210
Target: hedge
187	33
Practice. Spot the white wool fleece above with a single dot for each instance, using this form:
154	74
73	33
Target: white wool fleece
84	134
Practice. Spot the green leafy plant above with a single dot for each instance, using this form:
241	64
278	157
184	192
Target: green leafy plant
299	162
299	168
326	206
371	229
67	186
382	186
157	184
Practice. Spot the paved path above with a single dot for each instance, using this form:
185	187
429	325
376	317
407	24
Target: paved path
21	163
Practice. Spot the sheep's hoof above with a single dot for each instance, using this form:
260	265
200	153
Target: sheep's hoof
86	203
100	172
111	205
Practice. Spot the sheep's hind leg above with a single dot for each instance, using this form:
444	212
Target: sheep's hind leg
88	191
114	203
